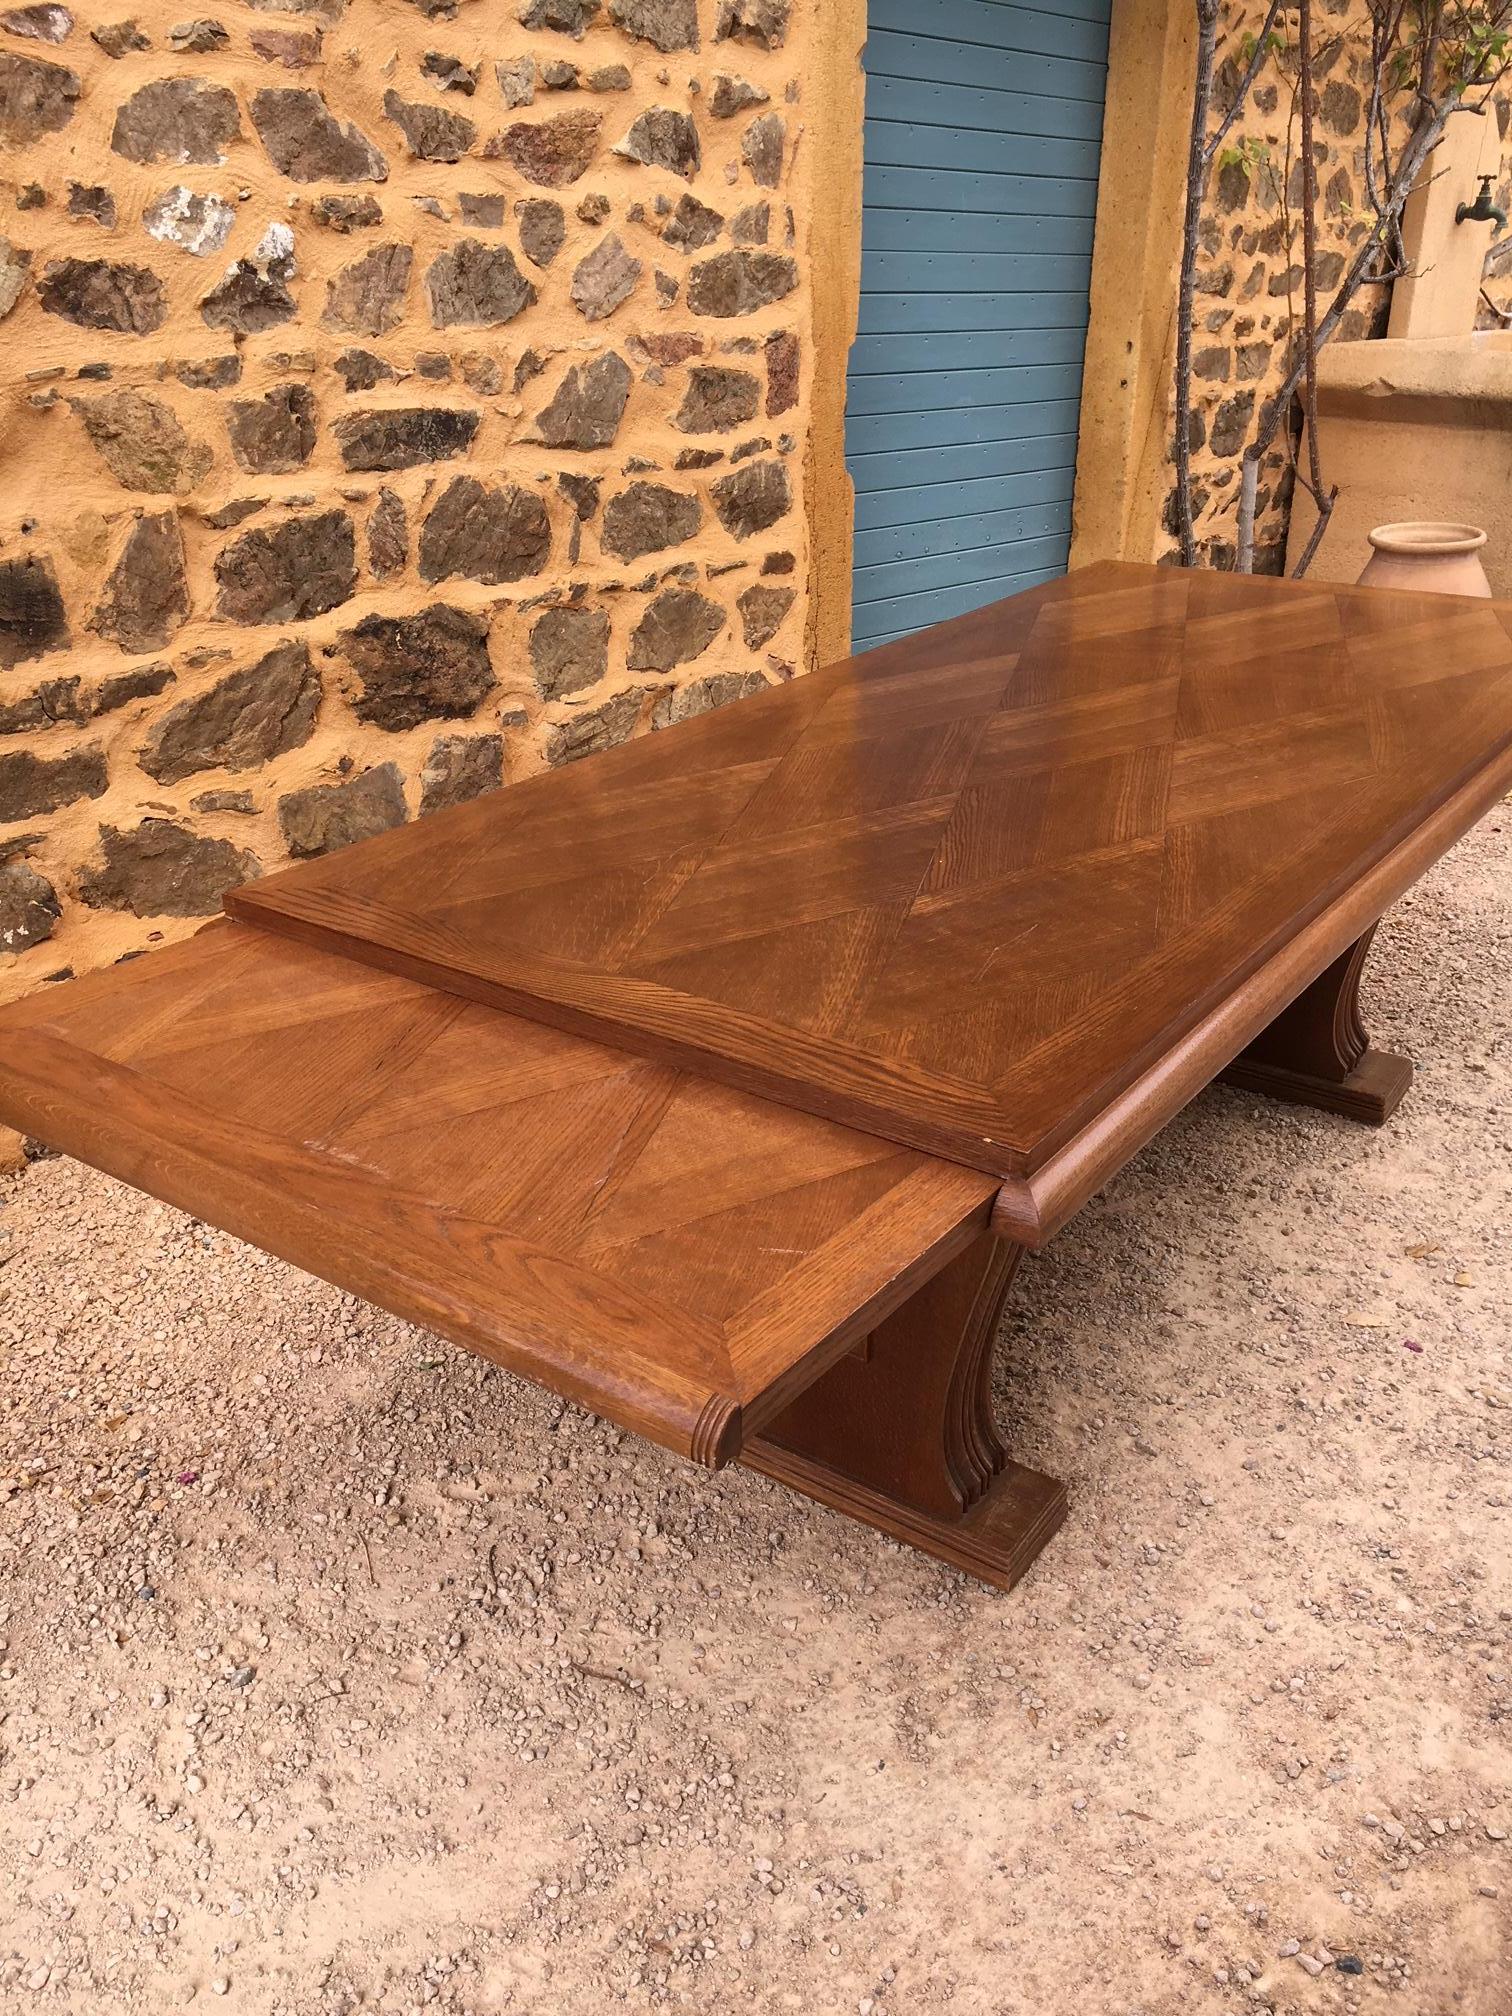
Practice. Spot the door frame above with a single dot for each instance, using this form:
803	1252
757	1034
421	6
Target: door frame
1122	460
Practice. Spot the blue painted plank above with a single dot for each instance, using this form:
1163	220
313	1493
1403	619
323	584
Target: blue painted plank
968	497
947	313
921	392
953	570
878	475
893	143
890	54
1021	29
880	622
884	353
987	195
925	103
902	230
897	433
975	272
948	540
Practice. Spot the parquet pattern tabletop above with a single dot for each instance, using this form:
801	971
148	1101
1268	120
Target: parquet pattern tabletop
963	890
674	1254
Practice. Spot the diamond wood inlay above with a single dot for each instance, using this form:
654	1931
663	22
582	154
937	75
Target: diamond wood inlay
964	890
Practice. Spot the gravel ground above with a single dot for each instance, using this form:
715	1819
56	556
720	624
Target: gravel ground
339	1671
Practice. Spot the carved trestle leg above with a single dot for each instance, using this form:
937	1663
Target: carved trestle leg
900	1434
1317	1051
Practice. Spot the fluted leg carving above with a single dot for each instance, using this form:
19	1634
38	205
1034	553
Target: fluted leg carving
1317	1052
901	1433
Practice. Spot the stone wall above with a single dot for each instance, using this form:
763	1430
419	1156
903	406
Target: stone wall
1250	271
400	396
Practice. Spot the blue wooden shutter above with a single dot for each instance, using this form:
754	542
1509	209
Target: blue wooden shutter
983	127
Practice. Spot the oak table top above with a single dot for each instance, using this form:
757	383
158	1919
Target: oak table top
674	1254
966	891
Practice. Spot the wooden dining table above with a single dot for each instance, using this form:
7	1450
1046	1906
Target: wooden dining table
719	1082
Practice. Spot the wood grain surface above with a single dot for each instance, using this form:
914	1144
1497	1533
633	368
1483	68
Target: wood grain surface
965	890
674	1254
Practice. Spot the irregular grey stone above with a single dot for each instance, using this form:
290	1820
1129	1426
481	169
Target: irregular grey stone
197	38
161	869
15	268
120	38
717	399
29	907
244	720
679	625
146	597
739	282
198	224
143	443
223	801
287	572
306	142
517	81
763	148
361	370
598	729
142	682
93	202
543	226
367	297
295	48
209	374
476	286
35	98
274	434
182	119
762	22
32	785
254	295
488	535
732	95
324	817
569	649
428	667
753	225
762	611
751	498
32	617
402	437
588	407
346	213
647	518
551	152
570	17
612	77
662	138
668	24
459	768
603	278
692	225
388	534
53	701
782	361
97	294
581	492
450	73
43	23
483	212
701	696
431	132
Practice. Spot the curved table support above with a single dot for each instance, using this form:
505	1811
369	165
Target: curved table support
901	1434
1317	1052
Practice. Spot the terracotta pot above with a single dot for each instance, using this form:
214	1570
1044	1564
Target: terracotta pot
1433	559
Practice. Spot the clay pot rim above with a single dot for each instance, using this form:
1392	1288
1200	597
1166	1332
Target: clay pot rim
1426	536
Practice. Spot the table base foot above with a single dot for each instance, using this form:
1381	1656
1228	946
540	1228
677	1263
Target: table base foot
995	1541
1371	1092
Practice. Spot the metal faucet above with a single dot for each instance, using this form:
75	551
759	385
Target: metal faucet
1482	210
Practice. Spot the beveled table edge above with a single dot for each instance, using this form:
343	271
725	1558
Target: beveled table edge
1032	1209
